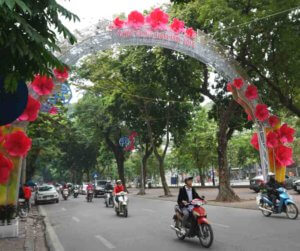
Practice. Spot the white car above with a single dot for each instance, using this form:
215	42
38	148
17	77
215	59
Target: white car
46	193
83	188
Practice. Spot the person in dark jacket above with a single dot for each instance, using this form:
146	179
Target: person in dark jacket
186	194
272	187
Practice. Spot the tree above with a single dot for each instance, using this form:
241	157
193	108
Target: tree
28	38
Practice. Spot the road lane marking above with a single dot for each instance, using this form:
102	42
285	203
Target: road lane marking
220	225
75	219
55	244
148	210
63	209
105	242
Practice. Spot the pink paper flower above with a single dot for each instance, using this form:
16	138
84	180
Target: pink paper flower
229	87
261	112
118	23
191	33
238	83
61	75
31	111
17	144
274	121
158	19
272	140
42	85
53	110
284	156
6	167
254	141
286	134
177	25
251	92
135	19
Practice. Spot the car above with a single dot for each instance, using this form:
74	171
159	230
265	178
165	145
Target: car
82	189
100	188
297	185
46	193
289	181
256	182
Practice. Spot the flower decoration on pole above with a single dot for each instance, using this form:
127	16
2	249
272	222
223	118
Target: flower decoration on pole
118	23
6	166
31	111
274	121
272	140
286	134
262	112
284	156
251	92
254	141
177	26
53	110
61	75
17	144
190	32
158	19
135	19
238	83
42	85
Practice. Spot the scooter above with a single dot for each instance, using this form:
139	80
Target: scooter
65	193
76	192
89	195
285	204
121	207
197	225
109	199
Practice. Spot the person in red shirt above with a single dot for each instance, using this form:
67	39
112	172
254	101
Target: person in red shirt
90	187
117	189
27	195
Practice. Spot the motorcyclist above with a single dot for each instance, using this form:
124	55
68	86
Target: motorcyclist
90	187
186	194
272	187
27	195
117	189
109	187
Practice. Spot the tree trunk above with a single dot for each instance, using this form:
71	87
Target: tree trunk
164	183
202	180
144	161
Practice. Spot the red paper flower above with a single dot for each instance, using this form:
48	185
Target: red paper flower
229	87
274	121
190	32
42	85
53	110
6	166
61	75
1	135
251	92
249	117
238	83
158	19
17	144
272	140
261	112
118	23
32	109
254	141
284	156
177	25
286	134
136	19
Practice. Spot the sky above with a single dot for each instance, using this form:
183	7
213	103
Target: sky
90	11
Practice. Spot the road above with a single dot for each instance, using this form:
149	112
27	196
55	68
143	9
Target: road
81	226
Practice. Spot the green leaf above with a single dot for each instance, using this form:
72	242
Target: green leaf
23	6
10	4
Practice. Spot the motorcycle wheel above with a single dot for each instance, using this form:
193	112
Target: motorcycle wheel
125	212
265	213
23	213
178	224
292	211
106	204
206	235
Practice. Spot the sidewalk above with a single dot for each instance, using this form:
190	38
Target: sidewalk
248	197
31	235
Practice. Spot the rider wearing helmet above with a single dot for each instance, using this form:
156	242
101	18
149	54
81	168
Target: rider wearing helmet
186	194
117	189
272	187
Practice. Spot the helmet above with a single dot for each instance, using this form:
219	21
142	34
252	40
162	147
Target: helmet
119	182
271	174
188	178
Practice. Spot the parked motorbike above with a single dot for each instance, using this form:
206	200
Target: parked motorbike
22	208
109	199
76	192
121	204
65	193
89	195
197	224
285	204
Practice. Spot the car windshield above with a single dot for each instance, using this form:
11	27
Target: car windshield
101	183
45	188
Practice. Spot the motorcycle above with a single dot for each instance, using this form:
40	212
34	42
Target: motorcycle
89	196
65	193
197	224
121	205
285	204
109	199
22	208
76	192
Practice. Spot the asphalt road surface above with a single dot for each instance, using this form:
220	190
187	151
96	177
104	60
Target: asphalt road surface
80	226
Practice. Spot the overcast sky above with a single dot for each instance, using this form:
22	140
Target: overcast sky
90	11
